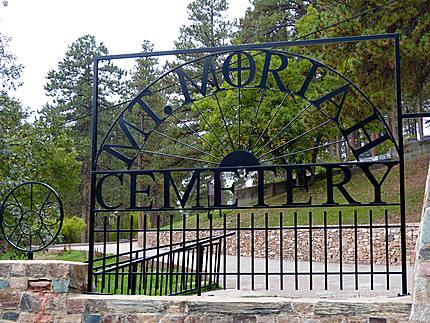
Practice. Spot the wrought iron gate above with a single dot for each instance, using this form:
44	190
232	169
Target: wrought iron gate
239	115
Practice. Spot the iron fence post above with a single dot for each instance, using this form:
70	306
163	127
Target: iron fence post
91	225
401	165
199	268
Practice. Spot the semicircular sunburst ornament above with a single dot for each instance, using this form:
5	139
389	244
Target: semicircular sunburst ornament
244	108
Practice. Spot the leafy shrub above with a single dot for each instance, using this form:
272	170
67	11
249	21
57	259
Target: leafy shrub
72	229
13	254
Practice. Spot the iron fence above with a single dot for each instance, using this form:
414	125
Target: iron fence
286	250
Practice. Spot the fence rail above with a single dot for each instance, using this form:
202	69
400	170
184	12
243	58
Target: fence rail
314	250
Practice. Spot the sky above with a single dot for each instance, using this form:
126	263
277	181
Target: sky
42	30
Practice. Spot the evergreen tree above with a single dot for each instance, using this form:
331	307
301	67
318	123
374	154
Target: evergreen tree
70	87
12	120
10	70
208	25
371	64
271	20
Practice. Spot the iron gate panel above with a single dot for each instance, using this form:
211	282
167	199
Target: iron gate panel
195	230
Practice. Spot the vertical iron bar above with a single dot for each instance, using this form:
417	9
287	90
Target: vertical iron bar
340	252
238	251
218	260
130	273
206	263
118	225
296	267
356	249
142	266
145	277
266	248
371	248
310	251
157	268
93	176
184	227
199	261
151	277
171	256
122	280
387	256
109	283
239	106
325	252
252	253
199	265
134	279
210	250
281	253
401	165
224	280
104	253
188	269
177	271
145	268
194	255
162	275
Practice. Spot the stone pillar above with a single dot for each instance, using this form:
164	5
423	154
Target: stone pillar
38	291
421	295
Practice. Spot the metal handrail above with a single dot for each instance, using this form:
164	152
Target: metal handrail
189	246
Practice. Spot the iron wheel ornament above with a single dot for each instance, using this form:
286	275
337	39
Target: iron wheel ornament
31	217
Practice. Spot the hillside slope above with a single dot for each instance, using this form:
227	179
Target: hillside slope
360	189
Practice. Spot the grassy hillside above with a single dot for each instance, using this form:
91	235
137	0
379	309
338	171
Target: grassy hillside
359	188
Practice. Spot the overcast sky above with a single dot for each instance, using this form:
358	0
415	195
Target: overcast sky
42	30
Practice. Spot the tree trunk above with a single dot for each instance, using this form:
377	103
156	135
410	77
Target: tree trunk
393	124
339	149
420	120
347	151
314	158
332	151
373	136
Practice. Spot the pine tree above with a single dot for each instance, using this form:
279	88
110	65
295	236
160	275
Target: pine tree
271	20
70	87
208	25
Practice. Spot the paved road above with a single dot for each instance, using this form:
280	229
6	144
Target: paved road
271	285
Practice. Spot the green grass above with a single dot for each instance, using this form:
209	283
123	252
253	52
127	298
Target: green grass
167	283
67	255
156	281
359	188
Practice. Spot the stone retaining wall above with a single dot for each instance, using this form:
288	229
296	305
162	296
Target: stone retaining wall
49	291
303	242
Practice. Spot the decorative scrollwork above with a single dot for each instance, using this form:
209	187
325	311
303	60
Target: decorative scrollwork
31	216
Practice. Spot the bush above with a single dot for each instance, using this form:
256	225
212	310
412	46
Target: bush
72	229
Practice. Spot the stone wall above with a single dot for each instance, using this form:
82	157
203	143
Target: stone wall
205	309
416	149
49	291
303	242
421	295
39	291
